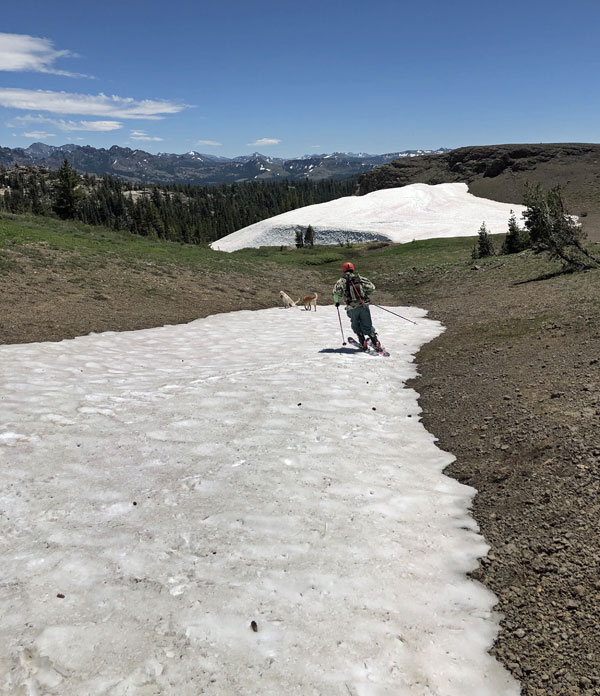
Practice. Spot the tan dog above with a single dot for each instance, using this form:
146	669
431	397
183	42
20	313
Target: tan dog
286	299
308	301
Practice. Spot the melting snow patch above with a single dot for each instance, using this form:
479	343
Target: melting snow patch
417	211
228	540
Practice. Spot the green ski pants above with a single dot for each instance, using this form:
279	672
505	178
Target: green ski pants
360	319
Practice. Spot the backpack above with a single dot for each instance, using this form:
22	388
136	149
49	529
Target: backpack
354	286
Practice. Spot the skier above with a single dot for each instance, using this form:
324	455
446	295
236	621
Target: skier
355	290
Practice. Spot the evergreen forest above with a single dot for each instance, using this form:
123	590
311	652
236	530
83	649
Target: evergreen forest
184	213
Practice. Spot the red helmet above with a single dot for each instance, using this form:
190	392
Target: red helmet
347	267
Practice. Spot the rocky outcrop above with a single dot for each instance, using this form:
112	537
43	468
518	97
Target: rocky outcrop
500	172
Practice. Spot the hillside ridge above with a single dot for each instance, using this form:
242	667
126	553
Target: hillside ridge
500	172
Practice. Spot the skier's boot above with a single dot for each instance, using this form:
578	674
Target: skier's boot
375	342
363	342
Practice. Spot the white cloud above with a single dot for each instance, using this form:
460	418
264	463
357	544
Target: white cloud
39	135
21	52
90	125
213	143
142	135
63	125
264	141
87	104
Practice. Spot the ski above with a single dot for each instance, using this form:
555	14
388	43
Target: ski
356	344
370	350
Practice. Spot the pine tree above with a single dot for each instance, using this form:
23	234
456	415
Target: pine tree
67	197
485	246
37	207
553	230
516	239
309	237
299	239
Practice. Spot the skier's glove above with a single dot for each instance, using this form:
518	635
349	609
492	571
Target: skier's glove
337	304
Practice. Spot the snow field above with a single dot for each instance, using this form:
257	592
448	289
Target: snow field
403	214
163	489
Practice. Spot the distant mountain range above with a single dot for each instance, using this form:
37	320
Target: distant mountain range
137	166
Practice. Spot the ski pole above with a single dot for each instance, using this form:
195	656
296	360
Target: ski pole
341	329
376	305
394	313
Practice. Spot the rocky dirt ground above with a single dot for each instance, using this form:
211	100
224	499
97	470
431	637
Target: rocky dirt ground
511	388
48	300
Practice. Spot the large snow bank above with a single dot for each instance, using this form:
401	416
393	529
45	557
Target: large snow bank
417	211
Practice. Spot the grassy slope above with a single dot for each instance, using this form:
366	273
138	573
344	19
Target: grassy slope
47	258
62	279
85	245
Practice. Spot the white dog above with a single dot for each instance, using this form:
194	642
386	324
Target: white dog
286	299
309	301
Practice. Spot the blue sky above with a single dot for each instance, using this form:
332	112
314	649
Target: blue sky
289	79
